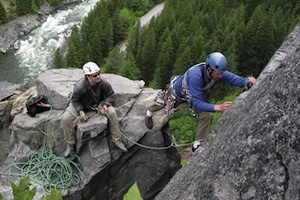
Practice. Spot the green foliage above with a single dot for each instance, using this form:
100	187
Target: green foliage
128	18
58	61
164	63
133	193
22	191
146	55
130	70
114	62
139	6
11	12
107	24
183	125
3	16
54	2
25	6
75	54
54	195
245	31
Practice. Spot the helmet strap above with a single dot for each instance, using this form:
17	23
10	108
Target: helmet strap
210	72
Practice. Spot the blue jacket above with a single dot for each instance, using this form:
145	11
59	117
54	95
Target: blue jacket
196	82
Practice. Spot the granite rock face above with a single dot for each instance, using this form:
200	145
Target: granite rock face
108	173
254	151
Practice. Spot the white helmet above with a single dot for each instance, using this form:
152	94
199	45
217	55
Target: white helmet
90	68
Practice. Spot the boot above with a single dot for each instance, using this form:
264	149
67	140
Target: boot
69	150
149	122
196	145
121	146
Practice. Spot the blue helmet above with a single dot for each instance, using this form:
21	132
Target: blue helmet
217	61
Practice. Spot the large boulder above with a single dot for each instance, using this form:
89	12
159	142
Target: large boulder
107	172
254	151
8	93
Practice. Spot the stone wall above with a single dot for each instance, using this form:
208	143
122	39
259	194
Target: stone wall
254	151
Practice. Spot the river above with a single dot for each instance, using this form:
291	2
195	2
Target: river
37	48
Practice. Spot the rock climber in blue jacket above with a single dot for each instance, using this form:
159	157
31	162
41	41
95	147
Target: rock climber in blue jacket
193	87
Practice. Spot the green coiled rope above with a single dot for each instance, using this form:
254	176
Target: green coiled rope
47	169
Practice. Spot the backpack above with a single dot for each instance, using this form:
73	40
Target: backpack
37	105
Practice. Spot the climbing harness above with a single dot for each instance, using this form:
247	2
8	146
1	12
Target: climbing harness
186	89
170	100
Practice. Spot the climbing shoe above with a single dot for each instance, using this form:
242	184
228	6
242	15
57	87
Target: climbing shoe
149	122
121	146
69	150
196	145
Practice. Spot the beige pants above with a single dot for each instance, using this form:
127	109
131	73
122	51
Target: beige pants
71	117
205	120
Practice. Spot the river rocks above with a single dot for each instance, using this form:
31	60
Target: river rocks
108	173
15	29
254	151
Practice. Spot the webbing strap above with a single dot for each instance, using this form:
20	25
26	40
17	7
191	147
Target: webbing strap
185	90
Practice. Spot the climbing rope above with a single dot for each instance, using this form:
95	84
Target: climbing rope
48	170
146	146
45	168
51	171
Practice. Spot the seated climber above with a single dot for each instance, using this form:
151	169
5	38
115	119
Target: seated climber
192	87
90	93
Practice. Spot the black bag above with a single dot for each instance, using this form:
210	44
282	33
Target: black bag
37	105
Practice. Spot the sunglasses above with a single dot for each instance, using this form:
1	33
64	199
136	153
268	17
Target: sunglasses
95	75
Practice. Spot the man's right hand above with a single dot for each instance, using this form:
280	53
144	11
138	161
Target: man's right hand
83	115
222	107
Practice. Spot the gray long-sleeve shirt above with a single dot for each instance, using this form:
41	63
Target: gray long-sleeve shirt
86	96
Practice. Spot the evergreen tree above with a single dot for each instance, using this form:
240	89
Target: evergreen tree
74	56
119	28
164	64
128	19
3	16
183	61
139	6
253	46
147	57
53	2
130	70
108	38
25	6
265	43
96	42
114	62
58	61
134	40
